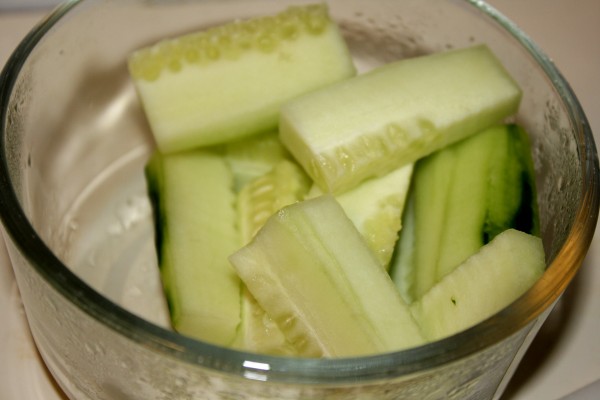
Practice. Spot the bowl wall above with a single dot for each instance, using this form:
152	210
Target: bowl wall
74	144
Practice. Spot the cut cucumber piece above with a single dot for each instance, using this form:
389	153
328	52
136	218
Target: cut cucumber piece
258	333
368	125
484	284
375	207
229	81
253	157
477	159
285	184
464	195
517	208
311	271
433	180
195	233
401	265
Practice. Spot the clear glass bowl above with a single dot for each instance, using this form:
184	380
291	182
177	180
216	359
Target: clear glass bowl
78	225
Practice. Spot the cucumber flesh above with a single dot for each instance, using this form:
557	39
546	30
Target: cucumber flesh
285	184
195	232
476	161
229	81
258	332
254	156
391	116
401	265
464	195
311	271
375	207
484	284
517	208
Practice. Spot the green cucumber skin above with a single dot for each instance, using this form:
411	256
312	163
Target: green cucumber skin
467	204
514	203
375	207
525	214
195	232
465	195
154	174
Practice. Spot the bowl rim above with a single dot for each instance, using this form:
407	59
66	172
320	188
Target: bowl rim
297	370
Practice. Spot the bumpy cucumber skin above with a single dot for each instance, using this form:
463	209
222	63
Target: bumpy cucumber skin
310	269
396	114
484	284
465	195
222	95
524	214
154	174
202	291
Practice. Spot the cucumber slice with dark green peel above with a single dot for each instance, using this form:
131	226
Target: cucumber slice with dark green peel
311	271
371	124
253	157
501	208
465	195
375	207
476	160
485	283
195	232
229	81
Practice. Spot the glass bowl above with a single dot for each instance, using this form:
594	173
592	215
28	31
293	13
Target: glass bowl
78	225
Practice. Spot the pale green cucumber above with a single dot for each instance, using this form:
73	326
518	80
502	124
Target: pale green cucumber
517	208
195	232
252	157
229	81
401	265
311	271
433	180
285	184
484	284
258	333
375	207
476	161
375	122
463	196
